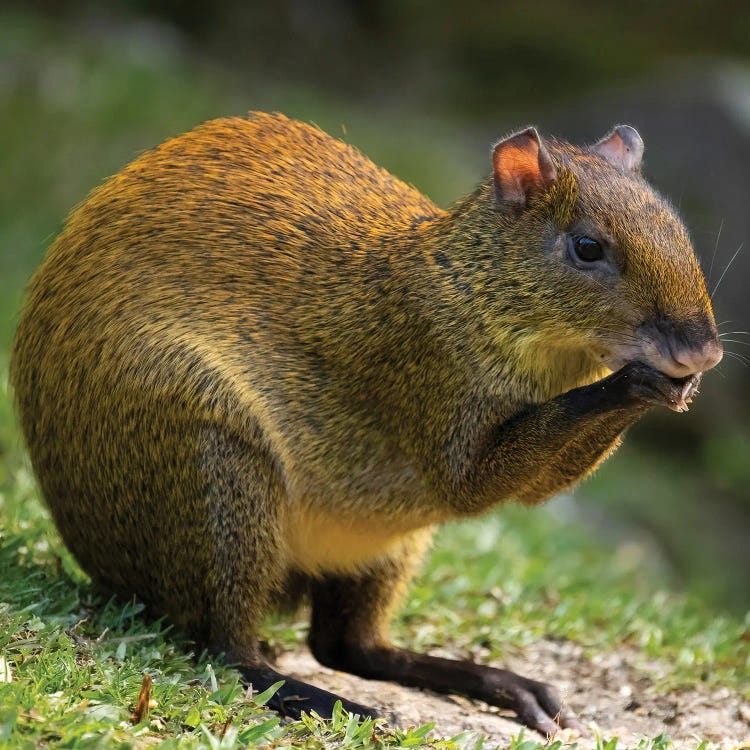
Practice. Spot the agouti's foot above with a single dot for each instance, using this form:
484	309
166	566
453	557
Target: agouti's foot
295	697
537	704
310	698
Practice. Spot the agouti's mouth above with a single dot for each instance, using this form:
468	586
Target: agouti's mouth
679	350
675	357
688	383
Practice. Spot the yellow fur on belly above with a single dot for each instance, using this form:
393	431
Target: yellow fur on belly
322	543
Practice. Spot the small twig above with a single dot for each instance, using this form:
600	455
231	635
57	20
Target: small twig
71	631
132	638
82	640
99	638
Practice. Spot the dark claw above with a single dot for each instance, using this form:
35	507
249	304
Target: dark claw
550	701
538	705
530	713
690	388
569	721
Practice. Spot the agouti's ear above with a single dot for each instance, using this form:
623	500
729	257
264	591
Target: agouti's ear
522	167
623	148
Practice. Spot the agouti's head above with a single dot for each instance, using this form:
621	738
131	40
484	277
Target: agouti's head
601	262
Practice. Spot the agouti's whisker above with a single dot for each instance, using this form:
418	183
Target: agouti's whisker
728	266
745	361
716	247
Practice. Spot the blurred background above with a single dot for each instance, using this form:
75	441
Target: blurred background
424	88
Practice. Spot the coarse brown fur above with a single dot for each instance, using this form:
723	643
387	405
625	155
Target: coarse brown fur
253	356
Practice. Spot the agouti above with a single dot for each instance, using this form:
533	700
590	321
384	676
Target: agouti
255	366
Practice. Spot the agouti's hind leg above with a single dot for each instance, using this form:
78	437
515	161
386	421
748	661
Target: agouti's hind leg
349	632
247	570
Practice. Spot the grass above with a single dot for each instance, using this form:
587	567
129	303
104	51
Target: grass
72	663
77	660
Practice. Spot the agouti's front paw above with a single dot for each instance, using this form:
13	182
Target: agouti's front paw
639	383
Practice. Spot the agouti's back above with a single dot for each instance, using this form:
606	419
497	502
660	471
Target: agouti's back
195	286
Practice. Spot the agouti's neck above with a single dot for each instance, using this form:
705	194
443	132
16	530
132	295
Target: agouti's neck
481	309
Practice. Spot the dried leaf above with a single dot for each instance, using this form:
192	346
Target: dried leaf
144	697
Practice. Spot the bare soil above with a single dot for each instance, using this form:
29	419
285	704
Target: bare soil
613	693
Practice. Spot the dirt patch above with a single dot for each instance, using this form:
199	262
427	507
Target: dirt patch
608	691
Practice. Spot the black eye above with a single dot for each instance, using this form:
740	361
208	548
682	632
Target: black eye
586	249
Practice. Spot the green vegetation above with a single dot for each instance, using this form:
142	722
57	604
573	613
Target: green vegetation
77	660
71	662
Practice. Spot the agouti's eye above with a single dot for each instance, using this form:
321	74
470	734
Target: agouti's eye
586	249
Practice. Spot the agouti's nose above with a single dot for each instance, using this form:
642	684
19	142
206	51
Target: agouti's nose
688	360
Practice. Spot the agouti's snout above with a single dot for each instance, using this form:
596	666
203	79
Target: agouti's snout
684	351
692	360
